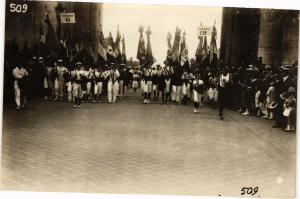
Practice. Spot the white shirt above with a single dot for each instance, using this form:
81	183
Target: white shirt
114	75
98	74
60	71
198	82
224	79
19	73
77	74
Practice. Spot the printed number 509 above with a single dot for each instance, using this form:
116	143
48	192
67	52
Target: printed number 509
249	190
19	8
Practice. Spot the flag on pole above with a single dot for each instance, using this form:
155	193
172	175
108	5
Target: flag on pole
149	56
141	52
102	47
169	51
74	53
205	58
175	50
124	60
110	49
52	42
117	51
184	55
110	44
91	53
213	51
199	51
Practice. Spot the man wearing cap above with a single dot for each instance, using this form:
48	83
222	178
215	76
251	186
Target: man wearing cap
177	82
99	78
121	80
154	78
53	81
147	84
77	77
113	85
185	87
20	74
286	77
198	88
168	70
90	85
68	80
61	70
224	81
46	79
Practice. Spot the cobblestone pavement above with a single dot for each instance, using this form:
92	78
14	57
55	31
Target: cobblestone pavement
129	147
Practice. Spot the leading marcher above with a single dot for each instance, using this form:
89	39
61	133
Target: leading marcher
224	82
20	75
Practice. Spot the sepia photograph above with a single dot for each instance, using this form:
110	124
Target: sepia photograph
124	98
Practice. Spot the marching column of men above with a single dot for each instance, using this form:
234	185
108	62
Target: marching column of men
267	92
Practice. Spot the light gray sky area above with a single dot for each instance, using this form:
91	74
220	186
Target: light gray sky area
162	19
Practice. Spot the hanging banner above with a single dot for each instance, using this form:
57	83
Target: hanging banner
67	17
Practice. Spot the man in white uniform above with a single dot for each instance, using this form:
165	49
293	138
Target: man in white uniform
99	79
61	70
20	75
77	76
113	84
147	85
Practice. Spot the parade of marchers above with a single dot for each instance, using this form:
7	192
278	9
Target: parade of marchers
80	75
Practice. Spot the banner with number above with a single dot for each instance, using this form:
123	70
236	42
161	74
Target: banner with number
204	31
67	17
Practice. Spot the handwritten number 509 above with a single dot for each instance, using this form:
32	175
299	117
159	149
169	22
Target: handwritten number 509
19	8
249	190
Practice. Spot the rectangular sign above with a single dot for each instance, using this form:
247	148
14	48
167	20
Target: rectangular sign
204	31
67	17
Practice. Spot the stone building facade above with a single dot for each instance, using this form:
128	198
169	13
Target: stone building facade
248	34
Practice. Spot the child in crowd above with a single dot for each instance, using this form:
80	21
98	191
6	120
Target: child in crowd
290	110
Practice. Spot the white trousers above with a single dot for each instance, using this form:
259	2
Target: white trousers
59	88
112	91
147	87
168	85
46	83
176	93
135	84
77	91
69	90
17	93
197	97
98	88
88	87
186	89
142	84
121	84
